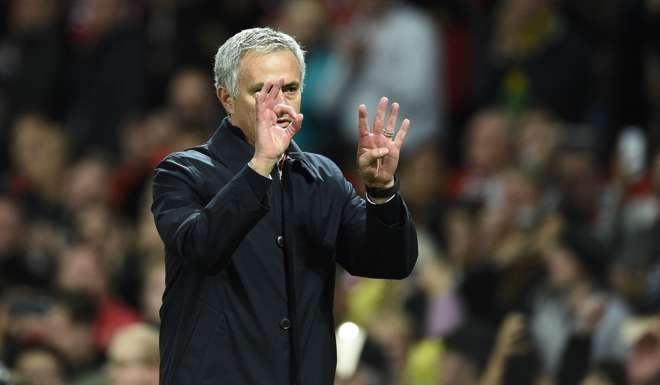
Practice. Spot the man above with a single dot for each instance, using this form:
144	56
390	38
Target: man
253	227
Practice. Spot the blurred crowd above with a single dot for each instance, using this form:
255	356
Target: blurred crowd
532	170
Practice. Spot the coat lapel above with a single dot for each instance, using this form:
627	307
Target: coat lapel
228	144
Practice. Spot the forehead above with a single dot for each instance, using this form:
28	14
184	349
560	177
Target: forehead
256	67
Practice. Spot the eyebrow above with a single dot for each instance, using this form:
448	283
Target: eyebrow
259	86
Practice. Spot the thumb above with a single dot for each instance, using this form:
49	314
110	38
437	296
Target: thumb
370	156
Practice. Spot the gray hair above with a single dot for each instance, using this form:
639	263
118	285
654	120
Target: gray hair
262	40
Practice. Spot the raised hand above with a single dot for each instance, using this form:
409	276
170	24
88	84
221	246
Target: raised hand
378	149
277	123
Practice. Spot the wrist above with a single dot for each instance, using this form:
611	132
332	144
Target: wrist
381	186
385	192
262	166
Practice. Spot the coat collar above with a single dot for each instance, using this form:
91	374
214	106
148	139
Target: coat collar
229	145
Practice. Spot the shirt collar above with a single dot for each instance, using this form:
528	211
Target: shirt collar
230	146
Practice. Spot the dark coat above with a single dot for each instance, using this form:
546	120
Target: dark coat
249	291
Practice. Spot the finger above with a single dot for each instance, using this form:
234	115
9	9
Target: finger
403	131
258	97
265	89
296	125
268	91
275	90
363	121
259	101
282	109
380	116
370	156
391	121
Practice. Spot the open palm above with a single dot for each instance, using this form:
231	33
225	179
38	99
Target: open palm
272	139
379	149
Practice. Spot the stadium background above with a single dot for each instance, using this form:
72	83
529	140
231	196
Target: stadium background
532	170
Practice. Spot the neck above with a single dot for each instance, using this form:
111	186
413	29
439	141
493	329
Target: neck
246	135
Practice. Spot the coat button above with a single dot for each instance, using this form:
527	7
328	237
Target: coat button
285	324
280	241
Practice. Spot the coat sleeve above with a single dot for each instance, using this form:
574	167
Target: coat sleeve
205	234
376	241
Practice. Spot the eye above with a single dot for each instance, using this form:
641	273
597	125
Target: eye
290	89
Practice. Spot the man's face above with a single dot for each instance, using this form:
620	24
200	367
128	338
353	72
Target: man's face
255	69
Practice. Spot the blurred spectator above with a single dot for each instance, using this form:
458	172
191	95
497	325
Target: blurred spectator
465	354
391	48
552	126
33	37
87	183
82	269
309	22
534	58
40	154
574	313
192	101
488	151
133	356
106	73
70	327
513	359
40	365
23	311
576	179
14	266
426	197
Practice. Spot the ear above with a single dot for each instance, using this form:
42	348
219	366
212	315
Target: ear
225	99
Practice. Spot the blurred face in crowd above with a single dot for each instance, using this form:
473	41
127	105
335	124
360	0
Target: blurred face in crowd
11	227
80	269
255	69
488	142
73	339
39	367
133	357
39	150
87	184
97	226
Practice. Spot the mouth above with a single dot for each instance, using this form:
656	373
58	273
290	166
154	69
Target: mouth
284	122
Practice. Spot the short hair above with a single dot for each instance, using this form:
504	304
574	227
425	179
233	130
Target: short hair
262	40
